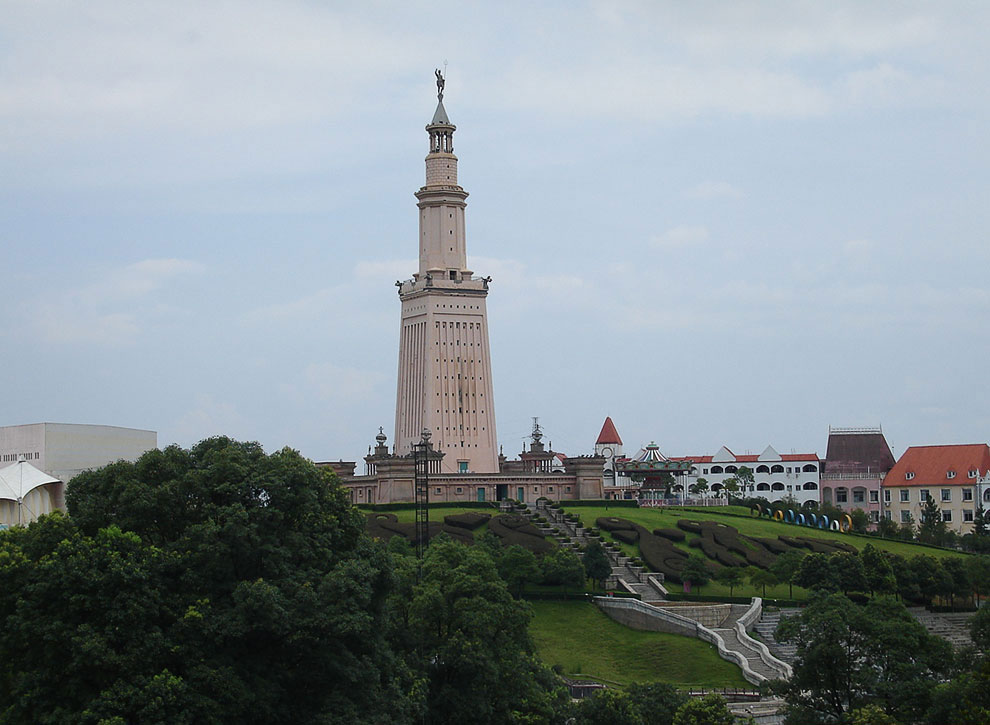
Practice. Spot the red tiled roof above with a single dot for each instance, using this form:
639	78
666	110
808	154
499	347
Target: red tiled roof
931	465
609	434
749	458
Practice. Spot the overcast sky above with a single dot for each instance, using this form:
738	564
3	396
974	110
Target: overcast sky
719	223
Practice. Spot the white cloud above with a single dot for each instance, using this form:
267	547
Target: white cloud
209	417
681	236
386	270
111	309
340	384
714	190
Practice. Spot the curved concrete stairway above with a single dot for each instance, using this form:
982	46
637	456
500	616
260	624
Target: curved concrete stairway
630	579
728	634
766	626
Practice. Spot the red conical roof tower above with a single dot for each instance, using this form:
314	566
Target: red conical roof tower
609	434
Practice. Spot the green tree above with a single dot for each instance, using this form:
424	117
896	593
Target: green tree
860	521
700	487
980	521
929	576
979	630
203	585
907	580
707	710
932	529
849	656
729	576
978	569
906	530
470	646
964	700
656	702
786	567
696	571
518	567
597	567
607	707
815	573
887	528
744	477
957	579
870	715
730	486
878	571
848	571
761	578
562	567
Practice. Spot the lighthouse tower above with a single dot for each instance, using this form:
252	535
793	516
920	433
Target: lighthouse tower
445	375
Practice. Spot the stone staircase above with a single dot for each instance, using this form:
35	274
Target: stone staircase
953	626
766	627
728	634
625	577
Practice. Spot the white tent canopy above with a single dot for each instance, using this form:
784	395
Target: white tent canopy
26	493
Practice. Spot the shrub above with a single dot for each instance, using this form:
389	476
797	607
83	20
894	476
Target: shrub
469	521
628	537
774	546
610	523
693	527
672	534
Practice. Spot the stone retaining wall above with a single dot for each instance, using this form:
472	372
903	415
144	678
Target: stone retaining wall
710	615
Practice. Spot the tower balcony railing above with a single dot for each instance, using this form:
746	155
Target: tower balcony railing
439	281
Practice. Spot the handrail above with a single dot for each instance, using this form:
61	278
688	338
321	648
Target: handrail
748	619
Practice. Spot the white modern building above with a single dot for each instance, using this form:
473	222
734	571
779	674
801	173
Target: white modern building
27	493
63	450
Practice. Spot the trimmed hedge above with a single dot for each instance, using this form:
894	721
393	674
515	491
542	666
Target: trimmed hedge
774	546
628	537
610	523
672	534
469	521
692	527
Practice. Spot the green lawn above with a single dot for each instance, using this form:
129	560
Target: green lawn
750	526
587	644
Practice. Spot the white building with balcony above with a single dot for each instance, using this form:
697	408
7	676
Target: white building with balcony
775	475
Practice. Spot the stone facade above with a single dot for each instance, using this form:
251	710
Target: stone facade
389	478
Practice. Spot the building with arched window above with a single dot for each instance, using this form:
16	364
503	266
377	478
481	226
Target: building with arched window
856	462
776	476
